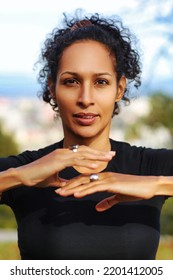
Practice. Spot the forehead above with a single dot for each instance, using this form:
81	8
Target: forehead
89	55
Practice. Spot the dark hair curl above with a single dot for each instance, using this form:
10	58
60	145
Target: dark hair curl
108	31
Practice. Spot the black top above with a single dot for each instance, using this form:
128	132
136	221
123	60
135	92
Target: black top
55	227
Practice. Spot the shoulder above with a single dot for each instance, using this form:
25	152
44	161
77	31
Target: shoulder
142	160
128	158
126	148
143	151
43	151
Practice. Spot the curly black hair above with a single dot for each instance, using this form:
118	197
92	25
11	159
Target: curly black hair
108	31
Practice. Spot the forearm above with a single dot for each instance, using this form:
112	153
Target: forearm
23	175
9	179
165	185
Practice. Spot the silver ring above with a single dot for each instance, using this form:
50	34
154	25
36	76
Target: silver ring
94	177
74	148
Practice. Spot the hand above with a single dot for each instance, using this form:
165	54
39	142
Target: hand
124	187
44	171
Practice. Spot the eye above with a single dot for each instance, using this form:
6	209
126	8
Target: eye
102	82
70	82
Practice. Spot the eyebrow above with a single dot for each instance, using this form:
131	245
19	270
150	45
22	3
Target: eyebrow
76	74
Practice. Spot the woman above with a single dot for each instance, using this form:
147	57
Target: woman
59	194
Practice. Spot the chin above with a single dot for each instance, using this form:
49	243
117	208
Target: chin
86	134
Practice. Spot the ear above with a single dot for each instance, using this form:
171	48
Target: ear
121	88
52	89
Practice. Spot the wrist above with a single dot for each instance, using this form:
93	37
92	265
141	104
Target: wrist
165	185
10	179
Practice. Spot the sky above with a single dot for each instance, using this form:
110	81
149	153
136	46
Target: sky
24	25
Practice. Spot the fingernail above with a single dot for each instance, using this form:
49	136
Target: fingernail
76	194
60	190
62	184
112	153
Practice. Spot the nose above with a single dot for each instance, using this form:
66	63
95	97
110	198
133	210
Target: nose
86	97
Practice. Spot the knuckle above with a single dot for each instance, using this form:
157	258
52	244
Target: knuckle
75	160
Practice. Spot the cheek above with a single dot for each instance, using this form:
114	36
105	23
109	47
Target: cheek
108	102
65	106
61	99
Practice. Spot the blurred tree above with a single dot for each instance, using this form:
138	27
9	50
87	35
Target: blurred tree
7	219
160	115
8	146
167	217
161	112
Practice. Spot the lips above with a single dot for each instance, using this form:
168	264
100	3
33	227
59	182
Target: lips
85	118
85	115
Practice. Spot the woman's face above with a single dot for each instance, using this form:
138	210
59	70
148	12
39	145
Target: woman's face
86	90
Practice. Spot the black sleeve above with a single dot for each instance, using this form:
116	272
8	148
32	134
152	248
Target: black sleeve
142	161
157	162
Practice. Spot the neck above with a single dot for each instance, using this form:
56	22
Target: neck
97	143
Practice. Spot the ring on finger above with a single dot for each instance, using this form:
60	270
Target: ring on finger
94	177
74	148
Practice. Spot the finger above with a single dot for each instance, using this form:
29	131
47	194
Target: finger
86	149
106	203
53	181
88	159
89	164
81	186
84	152
90	188
126	198
75	182
99	185
83	180
61	181
70	187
